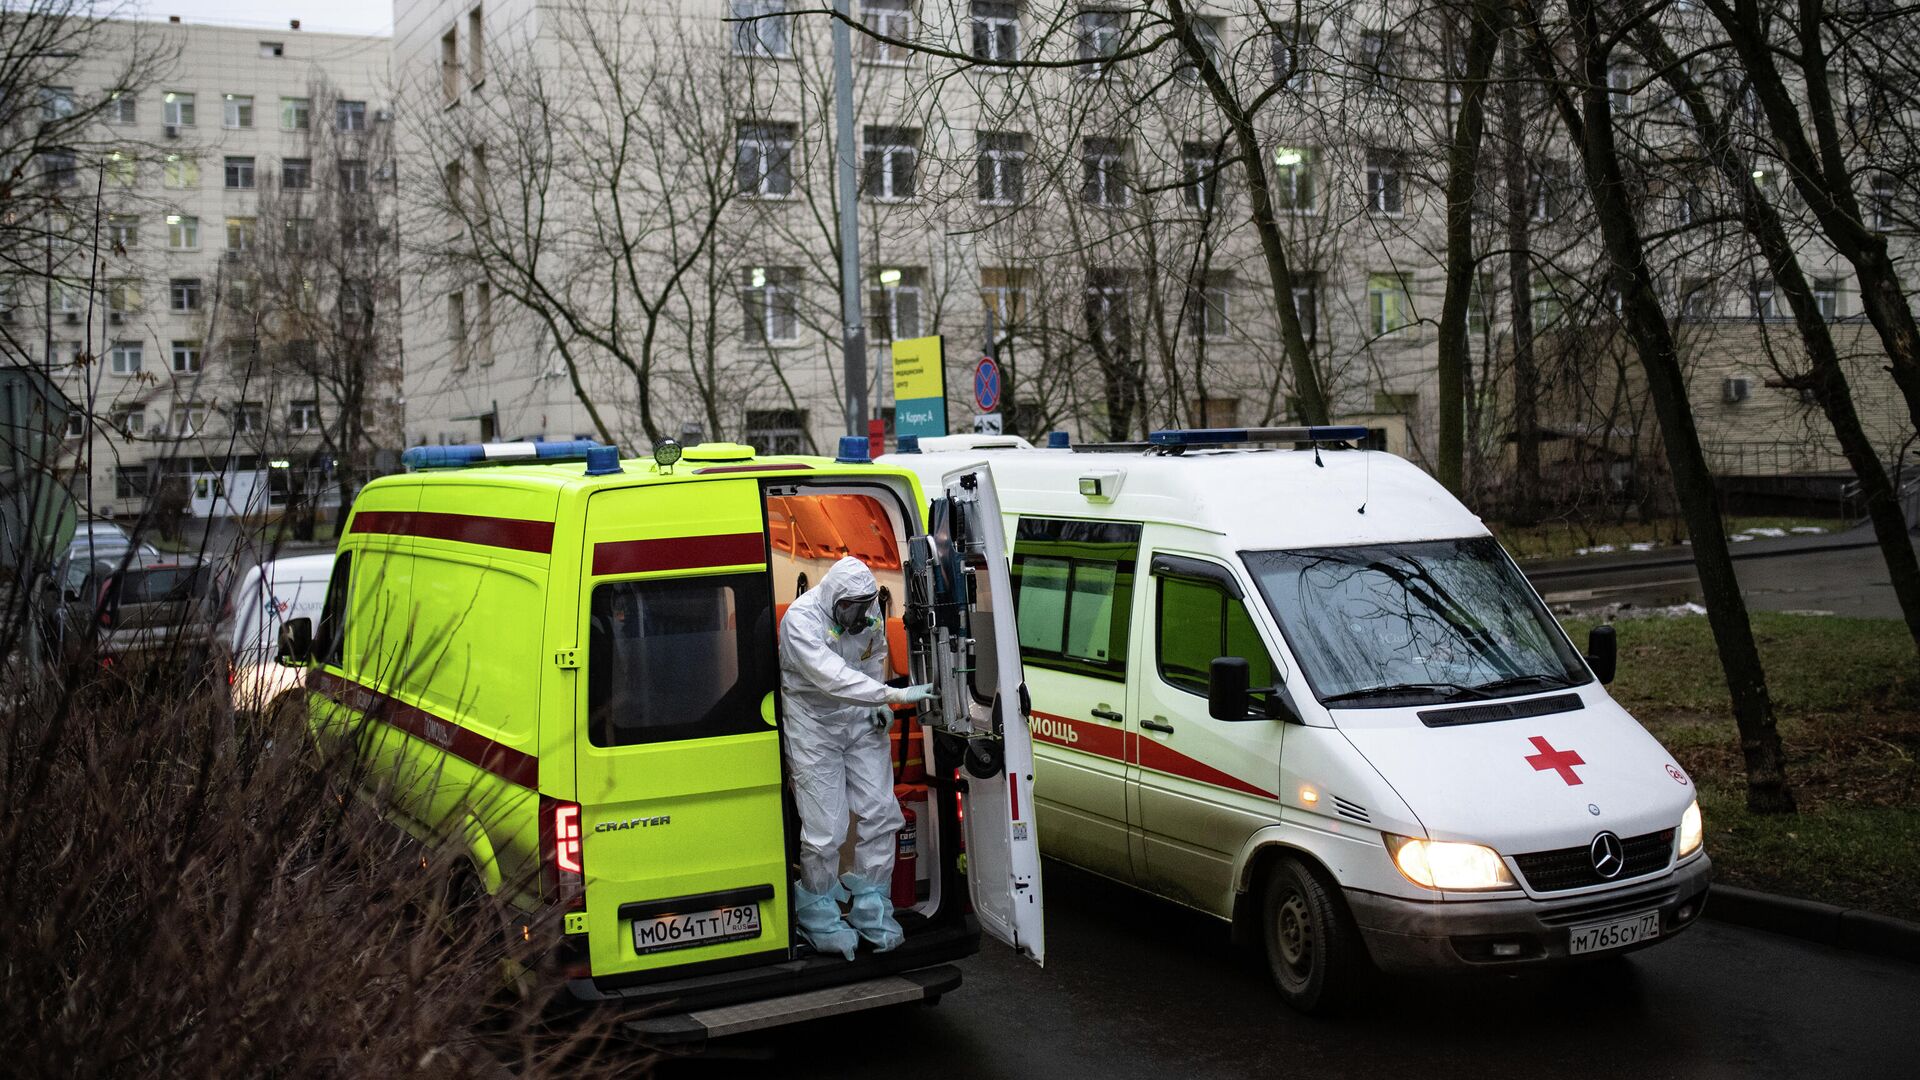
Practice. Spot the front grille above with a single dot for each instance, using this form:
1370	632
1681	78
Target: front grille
1609	905
1572	868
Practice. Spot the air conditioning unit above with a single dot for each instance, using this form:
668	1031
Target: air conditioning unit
173	131
117	317
1735	389
382	116
73	317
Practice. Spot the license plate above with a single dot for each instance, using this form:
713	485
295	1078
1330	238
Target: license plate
687	929
1603	936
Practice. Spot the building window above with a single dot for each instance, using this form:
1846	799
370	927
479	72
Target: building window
1293	50
1826	297
241	294
996	31
1880	202
1103	172
124	359
769	301
457	327
186	358
183	295
249	418
1206	29
895	303
1547	303
239	172
1002	168
1003	292
240	234
303	417
763	29
1293	179
476	48
58	168
180	172
353	176
296	174
350	115
123	108
1306	304
299	234
123	231
121	168
1696	298
1763	302
1545	184
888	18
189	418
1377	59
777	431
177	109
764	160
296	114
1207	307
1099	34
271	50
123	297
482	322
1620	81
1384	195
892	160
450	66
56	103
1386	303
1200	178
129	420
183	233
239	110
1109	315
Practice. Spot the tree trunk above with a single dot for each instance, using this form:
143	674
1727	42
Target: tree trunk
1525	508
1592	128
1828	380
1463	174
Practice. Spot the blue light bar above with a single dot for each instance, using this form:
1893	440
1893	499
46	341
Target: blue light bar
1230	436
518	453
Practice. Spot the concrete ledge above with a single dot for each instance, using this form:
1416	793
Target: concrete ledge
1828	924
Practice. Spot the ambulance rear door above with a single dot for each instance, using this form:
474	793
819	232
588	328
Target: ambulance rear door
987	705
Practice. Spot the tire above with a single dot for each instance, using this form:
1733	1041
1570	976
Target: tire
1314	952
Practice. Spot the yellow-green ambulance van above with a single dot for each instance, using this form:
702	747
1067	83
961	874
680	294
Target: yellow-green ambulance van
561	669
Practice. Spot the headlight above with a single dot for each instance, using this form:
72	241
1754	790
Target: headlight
1443	864
1690	831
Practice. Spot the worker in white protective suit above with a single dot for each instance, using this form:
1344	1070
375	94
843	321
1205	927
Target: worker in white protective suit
833	656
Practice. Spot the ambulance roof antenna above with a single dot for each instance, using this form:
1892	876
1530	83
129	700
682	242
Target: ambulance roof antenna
1366	485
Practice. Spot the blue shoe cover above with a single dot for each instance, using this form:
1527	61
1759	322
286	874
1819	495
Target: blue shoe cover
872	913
821	924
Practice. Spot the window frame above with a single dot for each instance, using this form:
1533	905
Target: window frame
236	112
1198	687
1031	530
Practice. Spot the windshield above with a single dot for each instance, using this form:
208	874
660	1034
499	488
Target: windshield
1414	623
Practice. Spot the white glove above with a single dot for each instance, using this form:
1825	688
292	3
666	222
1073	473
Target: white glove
912	695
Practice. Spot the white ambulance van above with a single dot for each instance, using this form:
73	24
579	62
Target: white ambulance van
1300	687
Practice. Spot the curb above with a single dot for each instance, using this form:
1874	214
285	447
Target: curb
1549	569
1828	924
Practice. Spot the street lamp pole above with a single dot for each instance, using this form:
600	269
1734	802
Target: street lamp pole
853	339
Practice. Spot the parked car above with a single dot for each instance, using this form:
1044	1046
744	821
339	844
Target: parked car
143	605
268	595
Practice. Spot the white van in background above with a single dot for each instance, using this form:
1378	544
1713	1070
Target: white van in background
269	594
1304	690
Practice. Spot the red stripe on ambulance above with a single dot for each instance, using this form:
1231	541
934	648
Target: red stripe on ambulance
513	766
1082	735
1161	759
1126	747
521	535
678	553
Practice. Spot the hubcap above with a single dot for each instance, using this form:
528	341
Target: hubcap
1296	934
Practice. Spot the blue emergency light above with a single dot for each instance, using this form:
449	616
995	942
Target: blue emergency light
1180	438
515	453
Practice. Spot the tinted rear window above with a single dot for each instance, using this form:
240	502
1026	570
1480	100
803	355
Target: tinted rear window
168	583
679	659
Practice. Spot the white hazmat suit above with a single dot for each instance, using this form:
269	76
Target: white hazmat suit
833	658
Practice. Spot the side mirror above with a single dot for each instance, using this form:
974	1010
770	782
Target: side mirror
1603	653
296	642
1227	688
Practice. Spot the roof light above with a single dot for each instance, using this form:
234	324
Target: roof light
1059	440
517	453
666	453
853	450
909	444
602	461
1182	437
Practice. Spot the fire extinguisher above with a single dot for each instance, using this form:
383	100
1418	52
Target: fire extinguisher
905	857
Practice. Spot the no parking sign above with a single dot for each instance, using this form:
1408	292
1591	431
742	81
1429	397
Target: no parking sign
986	385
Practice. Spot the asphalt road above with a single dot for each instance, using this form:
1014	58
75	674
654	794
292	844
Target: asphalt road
1134	987
1849	581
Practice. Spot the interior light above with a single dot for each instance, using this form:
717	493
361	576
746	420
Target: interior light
889	277
173	219
1759	174
759	277
1287	157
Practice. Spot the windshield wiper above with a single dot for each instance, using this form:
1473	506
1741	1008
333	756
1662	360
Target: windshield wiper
1514	682
1446	691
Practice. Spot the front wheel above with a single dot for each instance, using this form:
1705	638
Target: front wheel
1313	949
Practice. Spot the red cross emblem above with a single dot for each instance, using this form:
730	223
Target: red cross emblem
1560	761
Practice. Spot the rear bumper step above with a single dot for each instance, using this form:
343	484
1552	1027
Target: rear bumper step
924	984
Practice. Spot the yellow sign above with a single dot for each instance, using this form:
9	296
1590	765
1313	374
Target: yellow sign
917	370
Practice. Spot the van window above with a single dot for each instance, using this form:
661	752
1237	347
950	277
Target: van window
1073	593
1198	621
330	637
688	658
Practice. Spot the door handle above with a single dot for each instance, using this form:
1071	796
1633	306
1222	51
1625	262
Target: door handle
1106	714
1158	723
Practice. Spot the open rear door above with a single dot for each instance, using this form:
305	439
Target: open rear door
976	669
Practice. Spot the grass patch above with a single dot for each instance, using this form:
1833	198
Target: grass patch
1846	693
1564	539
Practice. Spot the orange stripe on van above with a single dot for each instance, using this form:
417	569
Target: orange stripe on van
511	765
679	553
516	533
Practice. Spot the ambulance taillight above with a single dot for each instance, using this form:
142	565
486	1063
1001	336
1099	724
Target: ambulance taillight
566	838
560	844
